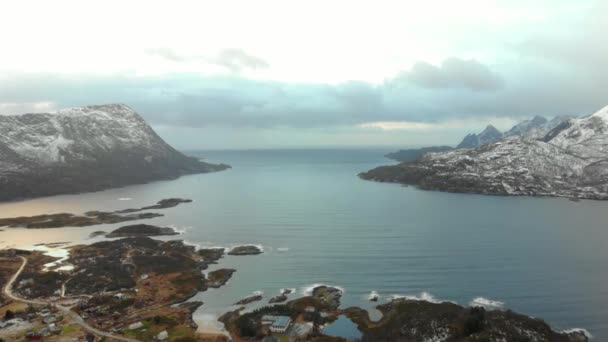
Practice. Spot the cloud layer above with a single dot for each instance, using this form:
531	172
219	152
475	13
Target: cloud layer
394	68
455	73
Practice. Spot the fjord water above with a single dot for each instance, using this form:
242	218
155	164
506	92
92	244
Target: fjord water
319	223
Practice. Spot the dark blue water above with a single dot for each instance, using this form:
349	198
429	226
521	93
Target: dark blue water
319	223
343	327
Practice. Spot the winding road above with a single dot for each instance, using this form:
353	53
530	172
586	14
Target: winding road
8	292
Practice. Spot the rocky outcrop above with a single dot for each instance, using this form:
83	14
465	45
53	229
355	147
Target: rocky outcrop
570	161
418	320
85	149
219	278
141	230
245	250
416	153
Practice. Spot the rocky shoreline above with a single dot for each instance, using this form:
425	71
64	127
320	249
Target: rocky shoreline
139	288
570	160
90	218
135	273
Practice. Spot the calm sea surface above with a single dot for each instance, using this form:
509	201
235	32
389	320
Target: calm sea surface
320	224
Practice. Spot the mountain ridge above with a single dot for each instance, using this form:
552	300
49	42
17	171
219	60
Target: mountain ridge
84	149
570	161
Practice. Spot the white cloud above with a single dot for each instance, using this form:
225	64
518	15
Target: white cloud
472	124
11	108
312	41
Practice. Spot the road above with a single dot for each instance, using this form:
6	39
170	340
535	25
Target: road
8	292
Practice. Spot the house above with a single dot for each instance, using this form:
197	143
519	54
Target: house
135	326
120	296
310	309
163	335
49	319
281	324
54	328
268	319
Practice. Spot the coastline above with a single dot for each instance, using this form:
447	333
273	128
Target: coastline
278	250
210	328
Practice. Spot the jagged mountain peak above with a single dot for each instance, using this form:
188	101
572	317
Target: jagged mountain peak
490	129
572	160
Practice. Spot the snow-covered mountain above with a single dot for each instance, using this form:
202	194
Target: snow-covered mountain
536	127
84	149
570	160
489	135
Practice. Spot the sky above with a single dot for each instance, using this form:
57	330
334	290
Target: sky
295	74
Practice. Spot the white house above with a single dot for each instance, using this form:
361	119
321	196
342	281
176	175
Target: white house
281	324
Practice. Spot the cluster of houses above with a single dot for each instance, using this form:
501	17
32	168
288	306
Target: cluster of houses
163	335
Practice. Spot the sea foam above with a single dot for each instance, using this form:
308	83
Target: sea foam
422	296
581	330
487	303
373	295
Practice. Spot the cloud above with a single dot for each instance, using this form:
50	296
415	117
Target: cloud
235	60
11	108
454	73
168	54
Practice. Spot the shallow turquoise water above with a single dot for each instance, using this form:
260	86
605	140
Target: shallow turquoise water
319	223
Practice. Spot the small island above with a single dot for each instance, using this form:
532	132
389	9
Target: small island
219	278
245	250
250	299
90	218
141	230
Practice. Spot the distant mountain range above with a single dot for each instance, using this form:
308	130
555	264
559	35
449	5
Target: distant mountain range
570	160
534	128
85	149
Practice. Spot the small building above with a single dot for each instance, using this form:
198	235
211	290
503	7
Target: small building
268	319
163	335
120	296
136	326
281	324
144	276
310	309
301	330
49	319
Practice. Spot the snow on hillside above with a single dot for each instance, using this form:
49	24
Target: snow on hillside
571	160
76	133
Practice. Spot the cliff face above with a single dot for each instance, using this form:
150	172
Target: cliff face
571	160
85	149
